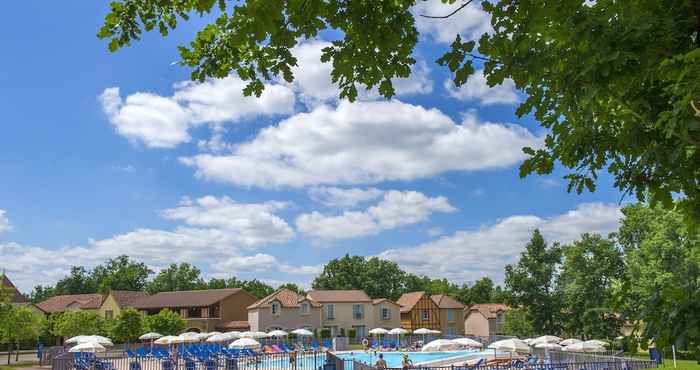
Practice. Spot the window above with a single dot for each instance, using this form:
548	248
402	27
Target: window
425	315
451	331
386	313
499	317
305	308
214	310
359	331
358	311
195	312
275	307
450	315
330	312
109	314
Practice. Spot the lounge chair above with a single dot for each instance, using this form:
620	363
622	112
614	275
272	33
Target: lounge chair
134	365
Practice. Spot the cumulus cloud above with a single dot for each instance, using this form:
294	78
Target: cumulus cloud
470	254
396	209
365	142
312	78
212	232
165	122
343	197
471	22
4	221
476	89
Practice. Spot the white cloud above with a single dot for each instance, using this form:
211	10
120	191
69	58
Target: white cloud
477	89
365	142
470	22
470	254
312	78
213	232
396	209
164	122
343	197
4	222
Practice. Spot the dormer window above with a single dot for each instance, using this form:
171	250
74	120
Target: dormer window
304	308
275	308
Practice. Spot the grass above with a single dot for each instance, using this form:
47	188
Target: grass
17	366
668	362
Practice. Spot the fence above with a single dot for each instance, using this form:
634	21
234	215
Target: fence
262	361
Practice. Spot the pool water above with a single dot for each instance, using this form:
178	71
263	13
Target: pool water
394	359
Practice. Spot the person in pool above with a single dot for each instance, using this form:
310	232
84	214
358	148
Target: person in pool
381	363
406	363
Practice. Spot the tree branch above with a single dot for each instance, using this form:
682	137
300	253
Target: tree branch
448	15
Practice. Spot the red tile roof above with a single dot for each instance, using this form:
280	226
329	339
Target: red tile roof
488	310
445	301
17	297
338	296
186	298
286	297
408	300
382	300
127	298
59	303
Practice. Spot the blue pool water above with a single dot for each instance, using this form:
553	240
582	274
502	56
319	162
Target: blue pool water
394	359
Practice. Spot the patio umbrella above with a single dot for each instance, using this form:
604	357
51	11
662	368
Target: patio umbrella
150	336
510	345
440	345
378	331
165	340
468	342
570	341
91	347
435	332
75	339
104	341
548	346
302	332
599	342
545	339
277	333
422	331
528	340
182	338
244	343
222	337
398	331
584	347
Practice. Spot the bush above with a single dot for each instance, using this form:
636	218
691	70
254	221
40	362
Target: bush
352	333
342	332
166	322
325	333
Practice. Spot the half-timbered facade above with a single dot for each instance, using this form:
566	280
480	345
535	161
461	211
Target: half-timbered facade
418	310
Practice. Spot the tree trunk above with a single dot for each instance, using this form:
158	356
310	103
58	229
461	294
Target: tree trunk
9	352
17	354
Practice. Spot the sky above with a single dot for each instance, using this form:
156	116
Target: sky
104	154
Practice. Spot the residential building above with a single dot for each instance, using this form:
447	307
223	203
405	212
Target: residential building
419	310
203	310
485	320
15	295
451	314
386	314
68	302
116	300
285	310
343	310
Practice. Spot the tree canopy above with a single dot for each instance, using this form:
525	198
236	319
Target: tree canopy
165	322
609	98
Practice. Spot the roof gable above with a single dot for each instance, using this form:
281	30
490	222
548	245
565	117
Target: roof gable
445	301
127	298
15	295
488	310
408	300
286	297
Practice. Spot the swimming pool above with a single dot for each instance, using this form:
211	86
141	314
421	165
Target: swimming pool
394	359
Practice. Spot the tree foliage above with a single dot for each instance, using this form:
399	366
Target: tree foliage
661	286
177	277
609	98
19	324
71	323
590	268
121	273
518	324
531	284
127	327
165	322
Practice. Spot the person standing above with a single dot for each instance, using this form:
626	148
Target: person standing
381	363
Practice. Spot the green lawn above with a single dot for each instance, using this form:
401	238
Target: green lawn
16	366
668	362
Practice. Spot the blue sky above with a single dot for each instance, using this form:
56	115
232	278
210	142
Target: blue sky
106	154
